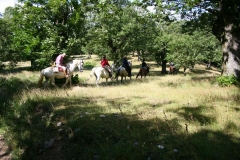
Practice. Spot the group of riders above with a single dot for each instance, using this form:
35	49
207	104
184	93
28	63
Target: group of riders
59	62
125	64
104	63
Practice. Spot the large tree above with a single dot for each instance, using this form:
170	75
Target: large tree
44	28
224	18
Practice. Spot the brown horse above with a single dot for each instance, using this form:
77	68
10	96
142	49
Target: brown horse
173	69
143	72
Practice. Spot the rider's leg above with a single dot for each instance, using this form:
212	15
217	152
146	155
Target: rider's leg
109	70
65	71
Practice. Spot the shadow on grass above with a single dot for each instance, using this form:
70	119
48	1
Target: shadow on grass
193	114
79	128
10	88
15	70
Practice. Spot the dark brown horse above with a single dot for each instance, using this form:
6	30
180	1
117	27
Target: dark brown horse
143	72
173	70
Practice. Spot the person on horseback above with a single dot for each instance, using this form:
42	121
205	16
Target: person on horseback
126	65
105	64
59	63
144	65
172	64
172	68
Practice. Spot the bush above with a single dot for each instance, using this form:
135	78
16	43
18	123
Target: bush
1	65
227	80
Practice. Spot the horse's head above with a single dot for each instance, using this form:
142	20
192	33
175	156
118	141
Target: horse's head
114	67
81	65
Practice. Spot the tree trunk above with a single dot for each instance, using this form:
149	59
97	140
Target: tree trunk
231	52
164	63
227	29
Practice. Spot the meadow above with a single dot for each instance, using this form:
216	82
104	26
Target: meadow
160	117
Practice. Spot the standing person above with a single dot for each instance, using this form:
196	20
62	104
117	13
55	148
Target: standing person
125	64
105	64
59	63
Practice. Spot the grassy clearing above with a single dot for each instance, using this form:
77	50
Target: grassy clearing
160	117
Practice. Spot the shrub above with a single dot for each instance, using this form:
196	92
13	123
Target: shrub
1	65
227	80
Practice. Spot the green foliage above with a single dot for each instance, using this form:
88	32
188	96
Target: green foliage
89	65
75	79
8	88
1	65
227	80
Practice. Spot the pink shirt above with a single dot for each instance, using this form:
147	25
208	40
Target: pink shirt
59	60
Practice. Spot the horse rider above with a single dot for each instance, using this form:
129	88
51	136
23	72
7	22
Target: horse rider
172	64
144	65
59	63
126	65
105	64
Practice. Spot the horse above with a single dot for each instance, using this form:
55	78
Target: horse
114	67
143	71
50	73
122	72
100	72
172	70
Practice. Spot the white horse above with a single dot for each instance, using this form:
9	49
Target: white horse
114	67
49	73
122	72
100	72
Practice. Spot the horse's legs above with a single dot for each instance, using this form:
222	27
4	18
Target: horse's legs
46	82
53	81
137	75
67	79
97	79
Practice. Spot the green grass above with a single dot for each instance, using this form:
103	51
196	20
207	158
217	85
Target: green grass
191	116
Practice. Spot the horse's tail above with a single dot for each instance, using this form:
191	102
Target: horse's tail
41	79
92	73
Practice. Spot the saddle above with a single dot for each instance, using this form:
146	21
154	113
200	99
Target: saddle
57	69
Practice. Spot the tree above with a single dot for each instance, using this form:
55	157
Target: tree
45	28
114	33
224	18
6	39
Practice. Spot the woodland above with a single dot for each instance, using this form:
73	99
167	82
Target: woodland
183	31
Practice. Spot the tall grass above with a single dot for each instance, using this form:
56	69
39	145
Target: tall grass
160	117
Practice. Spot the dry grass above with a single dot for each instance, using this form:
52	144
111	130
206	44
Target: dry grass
188	104
151	96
